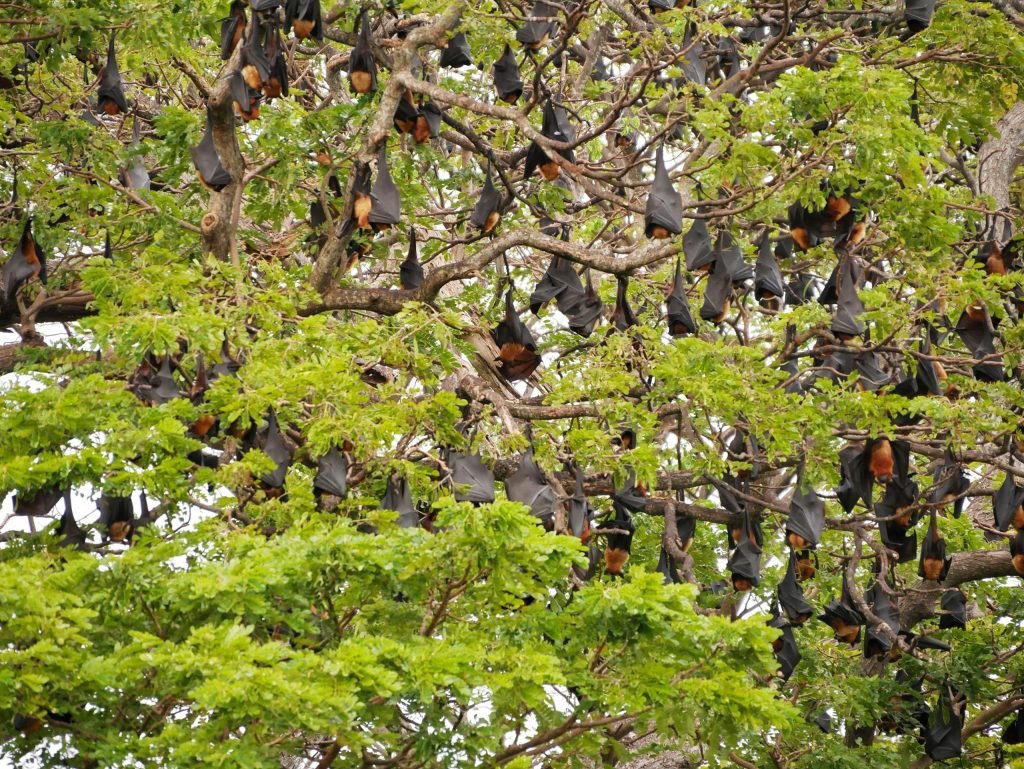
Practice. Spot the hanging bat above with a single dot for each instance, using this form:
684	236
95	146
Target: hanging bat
362	67
277	81
232	27
117	517
791	595
428	123
918	15
68	530
697	247
411	271
877	641
37	503
386	203
680	320
27	262
1017	552
584	315
472	480
559	282
271	442
535	33
768	285
787	654
110	96
303	16
944	732
398	497
933	564
745	560
331	473
898	515
618	545
244	100
846	323
555	126
528	486
406	114
950	483
953	610
718	294
622	314
487	211
843	617
204	155
976	332
579	510
517	351
663	216
1008	505
507	81
255	67
456	53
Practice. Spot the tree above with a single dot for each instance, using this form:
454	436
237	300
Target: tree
210	389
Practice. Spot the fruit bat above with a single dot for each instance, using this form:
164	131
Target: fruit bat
554	126
536	32
663	216
117	518
976	334
584	315
949	484
559	282
631	496
245	100
697	246
579	510
411	271
745	560
896	521
787	654
487	211
929	378
800	289
880	460
428	123
472	480
272	443
277	82
37	503
27	262
406	114
680	320
159	387
791	596
667	568
617	545
728	57
656	6
110	96
331	473
953	610
265	6
361	202
507	80
877	641
870	374
843	617
135	176
517	351
456	53
942	737
232	27
1008	505
527	485
718	294
846	323
729	257
385	202
204	155
768	285
398	497
918	15
806	518
933	564
824	722
695	69
68	530
1013	734
362	67
303	16
1017	552
255	67
804	226
622	314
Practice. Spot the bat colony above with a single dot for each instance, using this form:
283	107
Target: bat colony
875	473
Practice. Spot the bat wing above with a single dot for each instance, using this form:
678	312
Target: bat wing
527	485
411	271
331	473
